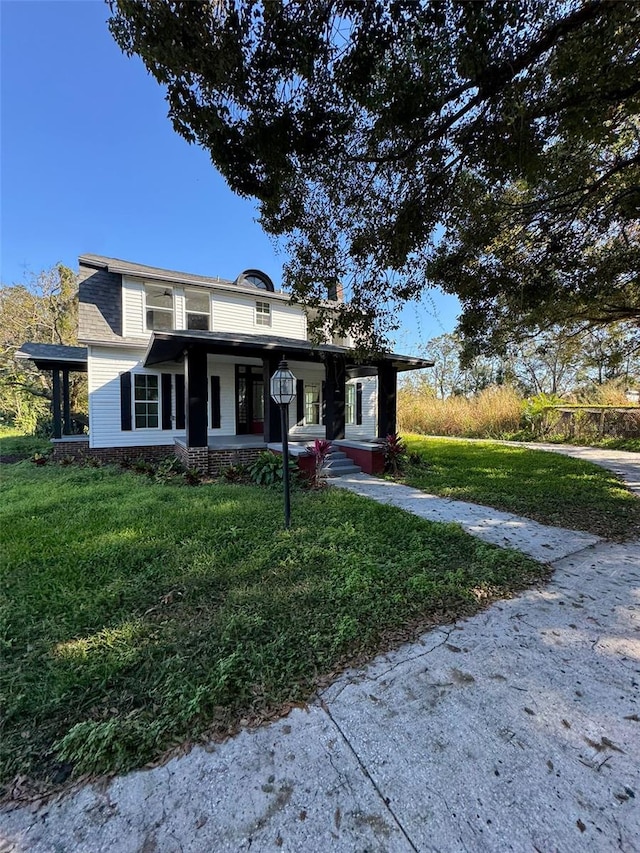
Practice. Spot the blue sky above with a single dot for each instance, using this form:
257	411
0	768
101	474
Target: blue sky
90	163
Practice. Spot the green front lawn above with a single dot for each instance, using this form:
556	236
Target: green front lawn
16	445
547	487
138	615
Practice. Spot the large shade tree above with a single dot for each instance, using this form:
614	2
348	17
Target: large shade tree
491	148
43	309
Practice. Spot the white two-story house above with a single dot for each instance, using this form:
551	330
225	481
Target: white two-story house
178	362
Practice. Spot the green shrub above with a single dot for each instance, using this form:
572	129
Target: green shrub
192	476
267	469
168	470
538	415
395	454
235	473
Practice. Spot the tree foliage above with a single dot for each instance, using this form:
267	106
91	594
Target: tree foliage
491	148
562	360
42	310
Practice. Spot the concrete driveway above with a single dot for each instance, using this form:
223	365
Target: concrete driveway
517	729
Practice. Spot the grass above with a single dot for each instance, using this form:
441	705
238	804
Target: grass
16	445
547	487
494	413
137	616
631	445
500	413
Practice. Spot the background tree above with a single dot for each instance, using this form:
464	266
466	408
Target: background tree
450	376
43	310
608	354
562	361
491	148
545	363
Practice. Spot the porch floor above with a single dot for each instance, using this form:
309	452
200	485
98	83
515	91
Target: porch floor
240	442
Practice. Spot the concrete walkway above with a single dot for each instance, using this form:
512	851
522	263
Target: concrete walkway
517	729
623	463
545	544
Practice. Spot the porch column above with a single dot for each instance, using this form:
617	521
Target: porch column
66	402
272	427
335	395
195	392
387	398
55	404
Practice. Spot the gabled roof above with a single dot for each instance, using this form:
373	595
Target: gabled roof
170	346
120	267
54	356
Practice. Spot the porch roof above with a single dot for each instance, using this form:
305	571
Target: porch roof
171	346
54	356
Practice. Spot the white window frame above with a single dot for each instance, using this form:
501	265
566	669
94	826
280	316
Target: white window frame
311	406
172	310
350	404
144	401
263	313
187	312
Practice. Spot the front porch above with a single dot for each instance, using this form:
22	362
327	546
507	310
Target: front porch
319	409
222	452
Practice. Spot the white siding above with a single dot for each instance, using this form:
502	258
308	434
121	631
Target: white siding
179	313
133	309
369	410
236	313
309	373
226	371
367	429
233	313
104	369
230	312
288	321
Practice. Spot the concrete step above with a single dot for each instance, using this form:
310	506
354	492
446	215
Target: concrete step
340	472
337	464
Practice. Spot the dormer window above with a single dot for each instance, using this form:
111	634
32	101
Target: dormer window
198	310
255	278
159	308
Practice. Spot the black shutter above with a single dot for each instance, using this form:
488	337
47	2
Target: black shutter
166	401
215	402
180	420
125	401
359	403
299	401
324	402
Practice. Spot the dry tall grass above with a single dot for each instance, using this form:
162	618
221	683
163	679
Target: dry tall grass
495	413
610	393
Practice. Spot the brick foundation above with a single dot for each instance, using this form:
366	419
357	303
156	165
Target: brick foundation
206	460
213	461
80	450
219	460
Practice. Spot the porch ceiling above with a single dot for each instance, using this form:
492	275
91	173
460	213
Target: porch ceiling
171	346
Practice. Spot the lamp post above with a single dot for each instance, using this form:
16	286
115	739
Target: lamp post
283	392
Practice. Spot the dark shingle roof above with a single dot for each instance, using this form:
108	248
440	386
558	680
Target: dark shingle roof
99	305
120	267
116	265
169	346
48	356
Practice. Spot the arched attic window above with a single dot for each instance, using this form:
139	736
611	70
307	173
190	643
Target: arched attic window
255	278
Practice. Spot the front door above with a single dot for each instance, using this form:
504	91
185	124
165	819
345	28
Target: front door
249	400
